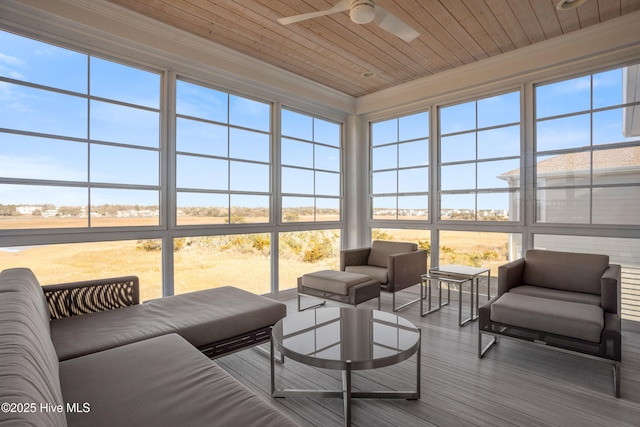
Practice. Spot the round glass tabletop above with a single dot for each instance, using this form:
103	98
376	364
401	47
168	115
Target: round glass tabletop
334	337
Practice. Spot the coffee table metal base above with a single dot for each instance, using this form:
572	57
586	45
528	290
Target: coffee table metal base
346	393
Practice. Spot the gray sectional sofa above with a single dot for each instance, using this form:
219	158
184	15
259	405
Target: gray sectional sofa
125	365
561	300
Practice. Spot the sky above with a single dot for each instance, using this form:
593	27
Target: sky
104	101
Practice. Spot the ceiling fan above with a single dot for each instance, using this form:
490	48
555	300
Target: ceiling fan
362	12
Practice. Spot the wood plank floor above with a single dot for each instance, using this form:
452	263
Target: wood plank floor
513	385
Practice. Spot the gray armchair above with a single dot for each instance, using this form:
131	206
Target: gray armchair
396	265
562	300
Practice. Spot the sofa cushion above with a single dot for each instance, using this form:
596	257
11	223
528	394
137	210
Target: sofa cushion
569	319
337	282
28	362
162	381
201	317
538	291
380	250
567	271
377	273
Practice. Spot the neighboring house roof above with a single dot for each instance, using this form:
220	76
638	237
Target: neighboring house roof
627	158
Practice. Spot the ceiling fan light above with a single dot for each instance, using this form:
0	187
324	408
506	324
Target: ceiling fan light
569	4
362	11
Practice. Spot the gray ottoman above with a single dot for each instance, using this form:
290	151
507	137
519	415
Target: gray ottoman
339	286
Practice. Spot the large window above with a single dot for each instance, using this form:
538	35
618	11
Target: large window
588	149
480	159
79	139
311	165
400	168
223	157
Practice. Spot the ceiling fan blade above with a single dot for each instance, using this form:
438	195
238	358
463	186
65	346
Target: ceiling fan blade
387	21
339	7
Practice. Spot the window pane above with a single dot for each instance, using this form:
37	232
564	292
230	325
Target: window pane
201	138
458	207
564	206
249	145
36	110
480	249
385	157
116	123
607	88
413	180
31	206
326	132
608	127
201	102
249	209
327	209
36	62
384	132
297	181
458	177
327	184
297	209
458	147
569	96
249	114
501	142
384	207
327	158
567	132
623	251
297	125
616	166
616	205
458	118
563	169
413	207
200	172
126	84
490	173
249	177
239	260
42	158
414	126
302	252
499	110
385	182
413	153
117	207
297	153
497	206
124	165
202	208
74	262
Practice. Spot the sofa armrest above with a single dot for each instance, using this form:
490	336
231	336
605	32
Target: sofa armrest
90	296
510	275
610	289
405	269
354	257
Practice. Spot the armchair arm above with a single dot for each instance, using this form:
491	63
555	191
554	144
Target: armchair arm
405	269
90	296
610	289
354	257
510	275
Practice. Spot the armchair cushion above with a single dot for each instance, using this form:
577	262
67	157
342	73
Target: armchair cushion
380	251
378	273
581	321
568	271
555	294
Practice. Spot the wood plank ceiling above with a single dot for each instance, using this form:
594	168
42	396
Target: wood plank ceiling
334	51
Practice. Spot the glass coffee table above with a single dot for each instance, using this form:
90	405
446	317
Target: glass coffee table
346	339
